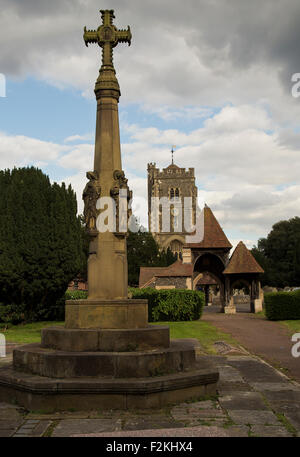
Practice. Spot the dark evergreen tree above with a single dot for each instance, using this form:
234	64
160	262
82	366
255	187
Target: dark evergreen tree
143	251
41	242
279	254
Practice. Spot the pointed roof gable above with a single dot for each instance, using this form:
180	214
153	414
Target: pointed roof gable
214	237
242	261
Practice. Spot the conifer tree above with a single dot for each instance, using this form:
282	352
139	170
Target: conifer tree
41	243
144	251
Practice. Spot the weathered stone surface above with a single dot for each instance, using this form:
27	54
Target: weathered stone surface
274	386
106	314
50	394
288	396
5	433
200	431
148	422
294	419
70	427
237	431
226	387
255	371
269	431
31	358
255	417
243	400
10	412
229	374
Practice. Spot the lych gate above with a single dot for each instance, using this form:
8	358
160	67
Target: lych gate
207	265
211	256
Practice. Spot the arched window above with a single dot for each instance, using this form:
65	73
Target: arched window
177	192
172	193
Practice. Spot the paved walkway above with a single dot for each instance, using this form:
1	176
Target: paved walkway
254	400
268	339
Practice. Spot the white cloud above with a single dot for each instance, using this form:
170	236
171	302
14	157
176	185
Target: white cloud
80	157
184	58
74	138
243	172
20	150
187	61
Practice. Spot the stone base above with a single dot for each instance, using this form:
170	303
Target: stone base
258	307
229	309
48	394
32	358
106	340
106	314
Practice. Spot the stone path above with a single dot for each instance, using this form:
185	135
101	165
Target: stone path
269	340
254	400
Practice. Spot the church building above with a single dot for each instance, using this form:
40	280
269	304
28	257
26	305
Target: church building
176	184
200	264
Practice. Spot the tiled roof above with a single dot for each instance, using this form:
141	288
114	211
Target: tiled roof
242	261
214	237
206	279
176	269
147	273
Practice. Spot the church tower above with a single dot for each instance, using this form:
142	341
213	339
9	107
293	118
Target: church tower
174	184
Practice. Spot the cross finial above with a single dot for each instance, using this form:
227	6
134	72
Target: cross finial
107	36
172	152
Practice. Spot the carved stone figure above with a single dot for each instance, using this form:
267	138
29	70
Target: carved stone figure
121	183
90	196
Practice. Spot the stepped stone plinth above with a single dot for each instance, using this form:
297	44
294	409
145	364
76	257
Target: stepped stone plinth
107	355
107	314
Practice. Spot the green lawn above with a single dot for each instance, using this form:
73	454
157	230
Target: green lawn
293	326
205	332
26	333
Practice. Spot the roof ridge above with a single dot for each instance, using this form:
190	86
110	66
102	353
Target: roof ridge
242	261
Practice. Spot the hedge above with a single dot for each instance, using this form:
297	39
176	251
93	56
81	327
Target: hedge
16	314
282	305
171	304
163	305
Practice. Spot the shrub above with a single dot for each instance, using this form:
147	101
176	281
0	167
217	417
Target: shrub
57	312
16	314
172	304
282	305
12	314
76	295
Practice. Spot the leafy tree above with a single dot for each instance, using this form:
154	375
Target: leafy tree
279	254
41	242
143	251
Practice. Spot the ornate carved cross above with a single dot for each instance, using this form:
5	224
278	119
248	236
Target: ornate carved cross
107	36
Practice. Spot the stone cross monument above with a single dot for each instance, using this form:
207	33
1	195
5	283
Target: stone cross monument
106	355
107	264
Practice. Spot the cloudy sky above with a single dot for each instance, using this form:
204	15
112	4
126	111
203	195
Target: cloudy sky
212	77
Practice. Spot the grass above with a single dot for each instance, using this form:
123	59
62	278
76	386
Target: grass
26	333
293	326
204	332
281	417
